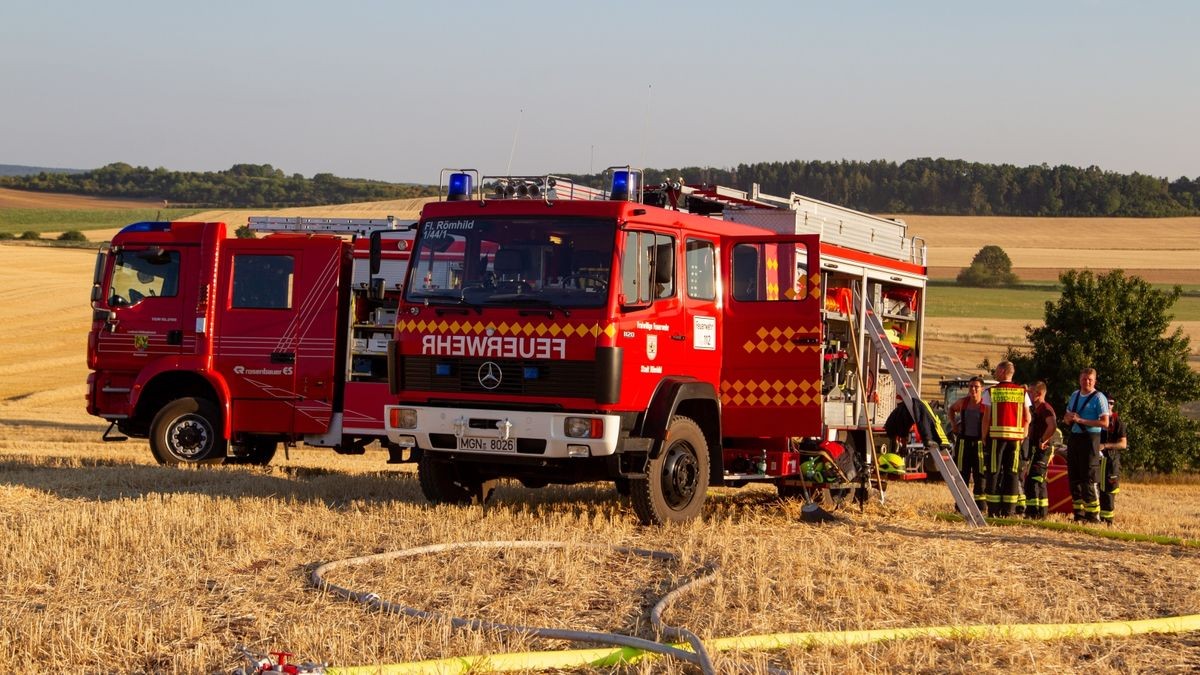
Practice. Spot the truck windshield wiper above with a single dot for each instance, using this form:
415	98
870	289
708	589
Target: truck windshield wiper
550	305
445	301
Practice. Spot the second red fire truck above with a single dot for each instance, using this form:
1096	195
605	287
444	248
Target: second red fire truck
665	338
220	348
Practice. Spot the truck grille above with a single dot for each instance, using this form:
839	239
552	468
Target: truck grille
576	379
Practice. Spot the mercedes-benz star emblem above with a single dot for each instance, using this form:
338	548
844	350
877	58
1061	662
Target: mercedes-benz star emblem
490	375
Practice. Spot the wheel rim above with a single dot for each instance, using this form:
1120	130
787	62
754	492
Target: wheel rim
189	437
680	476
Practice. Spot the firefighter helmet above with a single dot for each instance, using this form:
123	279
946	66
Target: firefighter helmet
891	463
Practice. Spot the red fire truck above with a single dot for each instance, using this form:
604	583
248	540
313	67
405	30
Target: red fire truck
219	347
666	338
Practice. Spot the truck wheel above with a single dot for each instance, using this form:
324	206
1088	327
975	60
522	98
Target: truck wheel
185	432
254	450
676	480
445	483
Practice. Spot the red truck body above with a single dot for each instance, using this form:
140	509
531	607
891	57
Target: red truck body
558	340
214	346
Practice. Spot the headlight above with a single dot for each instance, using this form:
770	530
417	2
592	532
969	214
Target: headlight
584	427
402	418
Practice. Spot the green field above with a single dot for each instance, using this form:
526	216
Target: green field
57	220
1018	303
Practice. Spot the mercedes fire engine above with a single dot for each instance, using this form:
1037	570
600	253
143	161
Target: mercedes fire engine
219	347
666	338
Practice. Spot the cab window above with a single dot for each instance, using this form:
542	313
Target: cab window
263	281
648	267
143	274
765	272
701	270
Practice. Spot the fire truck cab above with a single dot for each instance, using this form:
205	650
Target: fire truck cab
218	347
666	339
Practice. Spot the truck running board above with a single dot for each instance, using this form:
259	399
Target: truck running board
109	438
911	398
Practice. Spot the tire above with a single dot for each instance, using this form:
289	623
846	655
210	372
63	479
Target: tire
254	450
445	483
185	431
676	480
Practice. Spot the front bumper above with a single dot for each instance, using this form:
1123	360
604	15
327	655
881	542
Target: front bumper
501	433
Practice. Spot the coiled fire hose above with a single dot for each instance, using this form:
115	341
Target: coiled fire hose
634	649
697	656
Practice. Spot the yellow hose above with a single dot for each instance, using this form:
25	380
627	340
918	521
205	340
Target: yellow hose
610	657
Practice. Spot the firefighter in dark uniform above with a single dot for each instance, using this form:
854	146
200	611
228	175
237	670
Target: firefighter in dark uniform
1008	424
966	421
1087	413
1112	442
1041	431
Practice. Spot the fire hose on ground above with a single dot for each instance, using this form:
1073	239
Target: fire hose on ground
632	649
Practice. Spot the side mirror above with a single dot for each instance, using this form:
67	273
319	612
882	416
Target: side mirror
376	251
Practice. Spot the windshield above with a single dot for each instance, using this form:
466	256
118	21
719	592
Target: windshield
141	274
556	262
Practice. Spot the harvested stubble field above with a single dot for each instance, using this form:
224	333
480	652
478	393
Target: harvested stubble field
118	565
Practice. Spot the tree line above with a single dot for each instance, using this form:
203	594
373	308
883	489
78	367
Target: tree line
955	187
931	186
242	185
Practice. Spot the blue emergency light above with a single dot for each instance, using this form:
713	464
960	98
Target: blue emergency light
443	369
624	183
147	226
459	187
532	372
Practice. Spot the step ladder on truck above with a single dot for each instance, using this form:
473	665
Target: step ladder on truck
665	338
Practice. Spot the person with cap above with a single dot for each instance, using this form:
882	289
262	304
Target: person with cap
966	422
1087	413
1112	442
1041	435
1007	426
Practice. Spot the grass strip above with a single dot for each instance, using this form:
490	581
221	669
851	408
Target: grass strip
1104	533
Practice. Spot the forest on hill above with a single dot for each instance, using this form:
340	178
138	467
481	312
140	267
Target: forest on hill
242	185
928	186
956	187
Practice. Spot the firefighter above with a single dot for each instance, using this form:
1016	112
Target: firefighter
966	422
928	426
1112	442
1041	434
1087	413
1008	425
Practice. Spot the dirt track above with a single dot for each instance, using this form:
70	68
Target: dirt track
22	199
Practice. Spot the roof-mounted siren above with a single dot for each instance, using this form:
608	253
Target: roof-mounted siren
461	184
626	184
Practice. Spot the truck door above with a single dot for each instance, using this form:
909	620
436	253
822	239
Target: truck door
771	351
147	308
276	337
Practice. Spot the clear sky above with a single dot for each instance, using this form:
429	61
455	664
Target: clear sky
398	90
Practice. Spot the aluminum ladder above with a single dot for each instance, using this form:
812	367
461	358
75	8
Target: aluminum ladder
912	398
356	226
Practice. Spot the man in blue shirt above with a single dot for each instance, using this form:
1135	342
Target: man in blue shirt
1087	413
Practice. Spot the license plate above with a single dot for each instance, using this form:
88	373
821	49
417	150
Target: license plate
487	444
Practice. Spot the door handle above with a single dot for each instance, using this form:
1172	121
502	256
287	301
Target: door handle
283	357
679	336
